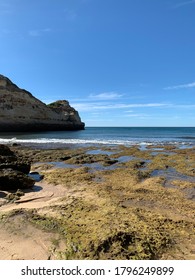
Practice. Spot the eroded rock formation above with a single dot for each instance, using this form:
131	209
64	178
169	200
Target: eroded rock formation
21	111
14	170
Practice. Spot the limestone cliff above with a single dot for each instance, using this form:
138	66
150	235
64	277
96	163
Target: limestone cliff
21	111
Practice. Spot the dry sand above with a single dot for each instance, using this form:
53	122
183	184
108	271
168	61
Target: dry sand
24	241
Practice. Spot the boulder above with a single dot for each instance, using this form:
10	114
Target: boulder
16	165
10	160
5	150
14	170
12	180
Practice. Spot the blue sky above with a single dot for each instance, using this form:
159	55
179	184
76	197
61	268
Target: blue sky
118	62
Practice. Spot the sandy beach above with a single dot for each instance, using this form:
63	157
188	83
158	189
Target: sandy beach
103	203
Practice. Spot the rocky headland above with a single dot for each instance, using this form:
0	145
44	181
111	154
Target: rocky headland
21	111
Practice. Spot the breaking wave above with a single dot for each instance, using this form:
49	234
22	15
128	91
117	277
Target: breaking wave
56	141
104	136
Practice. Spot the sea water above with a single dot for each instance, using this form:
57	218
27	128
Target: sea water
183	137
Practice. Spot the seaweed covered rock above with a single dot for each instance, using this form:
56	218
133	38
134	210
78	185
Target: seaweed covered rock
5	151
8	159
12	180
13	170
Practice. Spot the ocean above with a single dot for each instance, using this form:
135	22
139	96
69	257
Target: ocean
182	137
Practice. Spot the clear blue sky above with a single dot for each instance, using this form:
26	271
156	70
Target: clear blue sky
118	62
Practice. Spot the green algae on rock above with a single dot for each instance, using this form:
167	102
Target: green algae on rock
127	213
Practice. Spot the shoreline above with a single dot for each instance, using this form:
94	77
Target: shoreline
71	144
142	137
120	210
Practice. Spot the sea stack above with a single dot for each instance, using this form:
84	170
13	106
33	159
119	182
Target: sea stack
21	111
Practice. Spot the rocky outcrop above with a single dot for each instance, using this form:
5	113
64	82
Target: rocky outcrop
10	160
21	111
14	171
12	180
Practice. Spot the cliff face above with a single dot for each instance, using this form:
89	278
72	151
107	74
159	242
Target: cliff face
21	111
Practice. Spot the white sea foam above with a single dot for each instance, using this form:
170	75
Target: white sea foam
64	141
58	141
